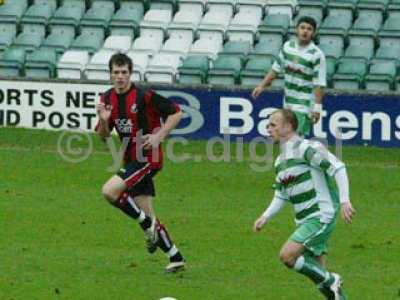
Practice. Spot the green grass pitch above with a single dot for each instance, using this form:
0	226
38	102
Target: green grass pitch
60	240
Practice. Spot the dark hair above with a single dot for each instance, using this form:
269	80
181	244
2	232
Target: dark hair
289	117
120	59
308	20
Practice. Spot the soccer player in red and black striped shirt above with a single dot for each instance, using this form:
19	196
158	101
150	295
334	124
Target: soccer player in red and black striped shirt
142	120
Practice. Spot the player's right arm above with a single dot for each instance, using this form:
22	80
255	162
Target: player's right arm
103	127
277	203
271	75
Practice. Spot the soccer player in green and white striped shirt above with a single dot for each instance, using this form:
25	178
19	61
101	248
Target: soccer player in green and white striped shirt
316	183
304	68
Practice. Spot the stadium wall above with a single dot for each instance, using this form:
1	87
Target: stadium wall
351	118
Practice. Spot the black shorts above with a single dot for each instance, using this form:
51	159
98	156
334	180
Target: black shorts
138	176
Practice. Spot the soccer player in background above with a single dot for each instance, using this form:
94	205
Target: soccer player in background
133	112
304	68
316	183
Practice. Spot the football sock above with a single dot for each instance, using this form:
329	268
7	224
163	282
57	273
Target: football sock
166	244
312	269
129	207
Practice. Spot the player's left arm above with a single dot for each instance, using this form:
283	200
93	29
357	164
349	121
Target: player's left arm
319	82
319	157
170	112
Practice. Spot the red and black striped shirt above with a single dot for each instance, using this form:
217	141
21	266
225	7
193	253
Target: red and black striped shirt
124	118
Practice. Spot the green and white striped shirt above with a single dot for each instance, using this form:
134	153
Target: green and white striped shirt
304	68
304	176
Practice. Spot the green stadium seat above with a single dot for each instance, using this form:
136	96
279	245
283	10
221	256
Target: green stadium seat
350	74
275	24
373	4
60	39
41	64
28	40
194	70
7	34
268	44
127	19
12	62
90	41
389	48
343	4
255	70
331	45
98	16
381	76
360	46
338	21
37	16
12	11
68	15
391	26
225	71
368	22
238	48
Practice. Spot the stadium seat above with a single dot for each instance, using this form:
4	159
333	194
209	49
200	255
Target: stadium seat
315	11
239	48
258	3
216	21
275	23
389	48
360	46
127	19
244	24
41	63
156	20
7	34
225	71
338	21
381	75
208	45
29	41
119	43
163	68
269	44
193	5
368	22
171	5
148	43
60	39
281	7
37	16
255	70
179	43
98	16
225	6
72	64
68	15
331	45
97	68
194	70
373	4
140	61
185	20
391	26
89	41
12	11
350	74
12	62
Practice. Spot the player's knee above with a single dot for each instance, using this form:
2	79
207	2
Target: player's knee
108	194
287	259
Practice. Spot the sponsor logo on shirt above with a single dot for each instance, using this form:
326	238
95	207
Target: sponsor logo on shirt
124	125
